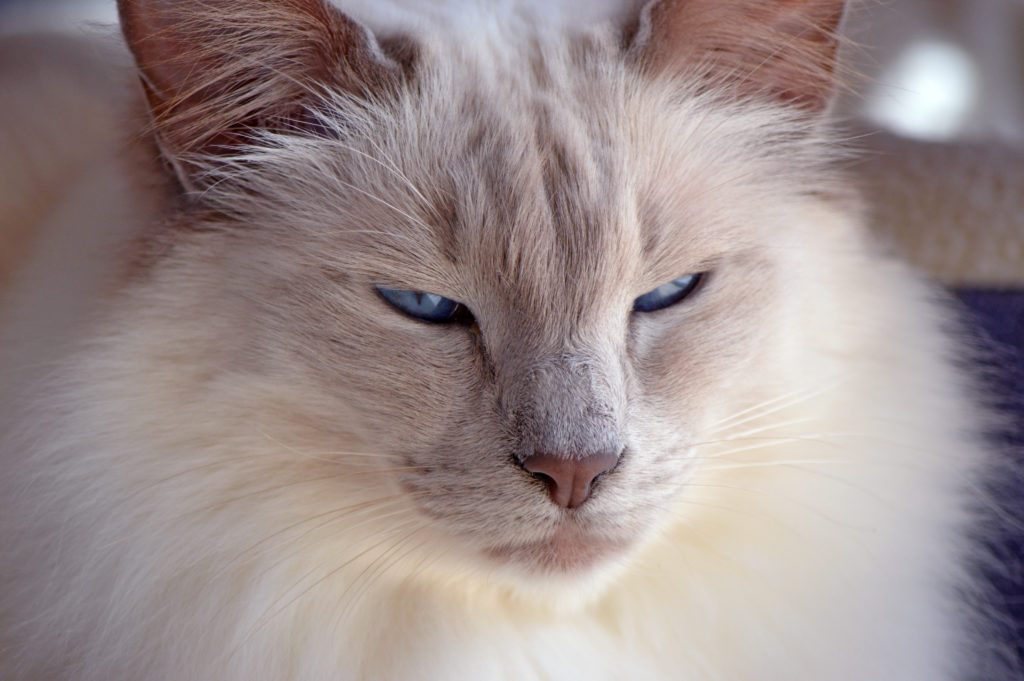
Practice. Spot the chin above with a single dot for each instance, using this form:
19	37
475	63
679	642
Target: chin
565	571
570	550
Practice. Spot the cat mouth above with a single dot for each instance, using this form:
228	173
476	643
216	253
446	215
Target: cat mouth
569	549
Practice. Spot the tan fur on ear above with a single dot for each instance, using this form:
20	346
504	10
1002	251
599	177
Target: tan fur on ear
215	69
784	49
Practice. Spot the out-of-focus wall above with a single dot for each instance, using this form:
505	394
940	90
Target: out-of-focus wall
938	69
22	16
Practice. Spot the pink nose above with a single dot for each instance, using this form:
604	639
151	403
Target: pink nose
569	481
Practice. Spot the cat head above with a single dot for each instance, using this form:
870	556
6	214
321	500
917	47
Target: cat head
609	226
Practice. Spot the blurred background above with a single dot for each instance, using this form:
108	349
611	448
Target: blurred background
929	69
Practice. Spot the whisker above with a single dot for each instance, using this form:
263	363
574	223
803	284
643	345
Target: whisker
772	405
276	608
332	516
802	466
376	569
226	503
768	464
305	481
689	501
774	442
773	495
760	429
322	456
335	516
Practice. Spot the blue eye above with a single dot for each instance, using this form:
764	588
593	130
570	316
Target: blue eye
427	307
668	294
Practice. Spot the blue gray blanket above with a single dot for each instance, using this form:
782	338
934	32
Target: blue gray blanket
997	317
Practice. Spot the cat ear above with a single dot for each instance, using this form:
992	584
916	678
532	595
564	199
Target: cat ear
783	49
216	70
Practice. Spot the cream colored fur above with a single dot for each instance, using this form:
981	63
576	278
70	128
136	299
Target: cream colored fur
232	461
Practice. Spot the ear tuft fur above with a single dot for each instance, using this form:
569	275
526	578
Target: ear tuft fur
782	49
215	70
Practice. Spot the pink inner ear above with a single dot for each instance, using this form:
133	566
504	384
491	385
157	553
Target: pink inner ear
158	49
215	69
784	48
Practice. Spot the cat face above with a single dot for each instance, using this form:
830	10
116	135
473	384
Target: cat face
545	188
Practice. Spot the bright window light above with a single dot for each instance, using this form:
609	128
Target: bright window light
928	92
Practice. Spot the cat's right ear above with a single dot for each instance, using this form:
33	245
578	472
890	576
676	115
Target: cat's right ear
780	50
217	71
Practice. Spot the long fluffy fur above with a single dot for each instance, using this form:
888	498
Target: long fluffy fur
248	467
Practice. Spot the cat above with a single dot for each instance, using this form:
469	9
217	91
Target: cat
518	352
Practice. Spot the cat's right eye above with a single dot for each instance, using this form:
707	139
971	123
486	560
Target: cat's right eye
426	307
668	294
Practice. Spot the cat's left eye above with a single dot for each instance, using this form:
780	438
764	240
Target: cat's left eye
427	307
668	294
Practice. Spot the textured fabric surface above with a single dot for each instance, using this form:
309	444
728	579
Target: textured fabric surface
954	210
997	318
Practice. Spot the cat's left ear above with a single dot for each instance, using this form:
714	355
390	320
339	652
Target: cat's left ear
784	50
215	71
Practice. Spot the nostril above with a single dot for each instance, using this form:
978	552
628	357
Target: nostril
569	480
543	477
